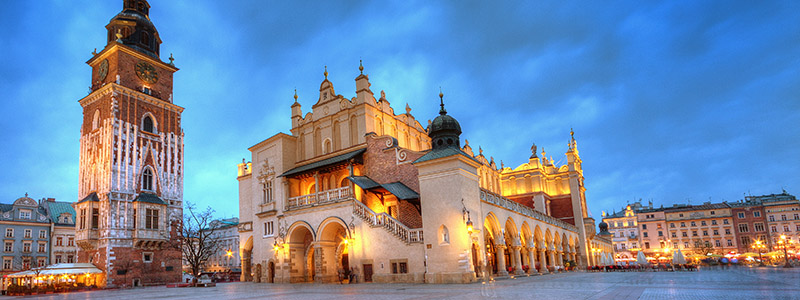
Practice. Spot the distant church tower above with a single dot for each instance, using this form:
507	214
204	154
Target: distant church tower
131	158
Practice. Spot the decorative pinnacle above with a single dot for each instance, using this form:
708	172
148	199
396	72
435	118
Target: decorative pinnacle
295	95
171	60
360	67
442	111
326	72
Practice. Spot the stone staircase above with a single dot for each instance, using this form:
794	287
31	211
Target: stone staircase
392	225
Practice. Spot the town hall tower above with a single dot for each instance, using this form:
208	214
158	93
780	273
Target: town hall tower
130	193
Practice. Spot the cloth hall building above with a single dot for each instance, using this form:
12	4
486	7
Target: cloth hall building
356	188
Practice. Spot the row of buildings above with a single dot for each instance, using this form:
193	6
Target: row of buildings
720	228
36	234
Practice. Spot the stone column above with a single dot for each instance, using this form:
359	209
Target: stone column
532	260
552	256
518	261
542	262
501	260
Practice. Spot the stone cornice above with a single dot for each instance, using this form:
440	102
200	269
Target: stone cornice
127	50
117	89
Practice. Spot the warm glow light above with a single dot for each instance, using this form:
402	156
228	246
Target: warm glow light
229	253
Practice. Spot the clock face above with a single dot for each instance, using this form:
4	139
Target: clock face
146	72
102	71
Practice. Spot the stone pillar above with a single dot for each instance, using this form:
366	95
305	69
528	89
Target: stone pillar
501	260
542	262
531	260
316	182
552	256
518	261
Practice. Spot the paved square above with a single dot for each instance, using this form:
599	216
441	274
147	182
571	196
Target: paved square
730	284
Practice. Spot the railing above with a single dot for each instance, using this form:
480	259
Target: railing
503	202
329	196
386	221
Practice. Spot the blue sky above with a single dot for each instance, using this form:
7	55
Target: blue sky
671	101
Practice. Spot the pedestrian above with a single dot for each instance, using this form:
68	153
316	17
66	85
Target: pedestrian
341	275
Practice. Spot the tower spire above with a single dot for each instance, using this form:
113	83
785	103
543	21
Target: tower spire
326	73
295	95
360	67
442	111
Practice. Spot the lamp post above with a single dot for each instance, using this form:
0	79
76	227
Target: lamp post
758	246
783	242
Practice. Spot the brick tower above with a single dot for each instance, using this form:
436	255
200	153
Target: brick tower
131	158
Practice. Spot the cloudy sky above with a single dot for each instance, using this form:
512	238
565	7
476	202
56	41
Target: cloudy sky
671	101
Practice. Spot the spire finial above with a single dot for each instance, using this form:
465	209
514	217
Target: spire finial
361	67
171	60
326	73
295	95
442	111
571	133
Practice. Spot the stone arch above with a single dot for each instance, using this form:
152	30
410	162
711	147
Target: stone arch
332	249
245	255
149	123
491	238
300	238
443	235
353	130
493	227
96	119
336	135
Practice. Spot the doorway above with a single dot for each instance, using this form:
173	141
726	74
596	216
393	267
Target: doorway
367	272
271	268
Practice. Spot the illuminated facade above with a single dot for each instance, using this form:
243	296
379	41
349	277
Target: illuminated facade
357	187
131	158
624	230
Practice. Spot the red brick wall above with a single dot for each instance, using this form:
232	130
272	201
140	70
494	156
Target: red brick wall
380	164
153	273
526	200
561	208
750	220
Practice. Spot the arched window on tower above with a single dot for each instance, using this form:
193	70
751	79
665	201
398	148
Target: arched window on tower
147	179
444	235
148	125
96	119
145	38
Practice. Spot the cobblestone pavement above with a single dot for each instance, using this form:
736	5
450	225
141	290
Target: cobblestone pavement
730	284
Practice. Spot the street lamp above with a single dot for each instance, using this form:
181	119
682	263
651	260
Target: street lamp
783	242
758	246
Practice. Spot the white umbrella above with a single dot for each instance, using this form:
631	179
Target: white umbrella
677	257
640	259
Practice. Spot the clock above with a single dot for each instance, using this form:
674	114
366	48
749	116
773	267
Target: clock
146	72
102	71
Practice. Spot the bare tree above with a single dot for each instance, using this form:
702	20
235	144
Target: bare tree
703	247
198	236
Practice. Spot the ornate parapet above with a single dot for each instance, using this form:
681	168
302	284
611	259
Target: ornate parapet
492	198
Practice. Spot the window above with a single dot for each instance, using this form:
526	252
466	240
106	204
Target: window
95	218
772	218
644	226
685	245
730	243
713	222
671	225
694	224
151	218
702	223
9	246
444	235
785	228
660	233
674	234
644	234
42	234
718	243
743	228
716	232
7	264
713	212
399	267
684	234
71	242
24	214
26	263
741	215
634	245
147	179
683	224
83	218
694	232
647	245
675	245
147	257
705	232
147	124
28	233
773	228
10	232
26	247
725	221
681	215
797	216
727	231
70	259
783	217
267	191
58	259
798	227
746	241
42	248
135	217
659	226
269	228
756	214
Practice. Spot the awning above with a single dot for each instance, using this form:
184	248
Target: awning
323	163
58	269
149	198
398	189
